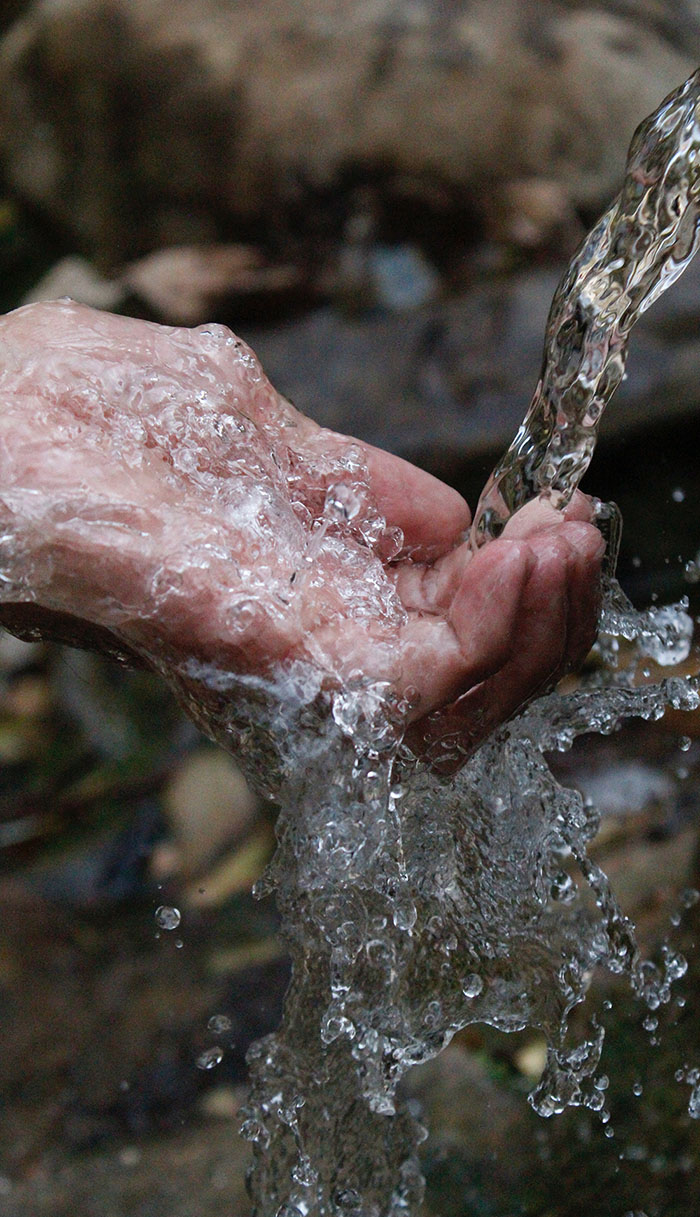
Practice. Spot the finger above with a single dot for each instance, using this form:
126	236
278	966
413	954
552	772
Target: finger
535	654
431	587
584	566
540	515
482	620
436	657
432	516
580	508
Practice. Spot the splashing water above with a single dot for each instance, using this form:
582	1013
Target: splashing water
413	904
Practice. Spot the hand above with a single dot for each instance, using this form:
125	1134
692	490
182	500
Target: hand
160	498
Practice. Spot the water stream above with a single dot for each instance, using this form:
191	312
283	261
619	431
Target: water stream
414	904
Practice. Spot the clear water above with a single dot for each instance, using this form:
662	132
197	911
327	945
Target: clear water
637	249
412	904
415	905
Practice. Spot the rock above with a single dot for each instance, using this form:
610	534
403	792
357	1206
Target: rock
15	654
447	385
137	125
77	278
208	804
189	285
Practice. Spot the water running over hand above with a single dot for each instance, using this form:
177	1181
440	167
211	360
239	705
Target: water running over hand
412	904
415	905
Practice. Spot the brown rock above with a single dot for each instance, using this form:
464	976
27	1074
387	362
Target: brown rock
143	123
208	805
186	285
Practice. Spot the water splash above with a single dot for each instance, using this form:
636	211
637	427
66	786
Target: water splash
412	904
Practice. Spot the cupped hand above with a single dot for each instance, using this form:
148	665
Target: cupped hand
159	498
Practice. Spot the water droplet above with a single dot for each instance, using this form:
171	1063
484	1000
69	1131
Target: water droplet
678	495
684	743
303	1172
167	918
637	1089
563	888
472	985
694	1103
219	1024
253	1130
346	1199
342	502
404	915
210	1058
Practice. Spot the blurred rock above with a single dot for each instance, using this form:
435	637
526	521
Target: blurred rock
15	654
11	10
236	873
447	385
137	125
208	804
75	277
186	286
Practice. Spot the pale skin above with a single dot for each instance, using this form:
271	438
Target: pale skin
161	497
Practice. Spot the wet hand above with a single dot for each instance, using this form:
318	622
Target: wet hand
158	497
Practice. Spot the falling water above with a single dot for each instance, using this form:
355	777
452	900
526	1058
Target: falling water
638	248
413	904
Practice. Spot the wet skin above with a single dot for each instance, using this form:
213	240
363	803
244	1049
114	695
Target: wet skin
159	498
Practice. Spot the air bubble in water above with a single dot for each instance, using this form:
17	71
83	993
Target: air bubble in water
167	917
678	495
